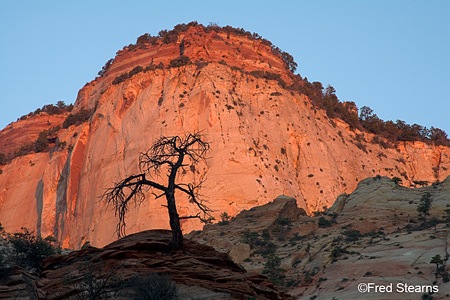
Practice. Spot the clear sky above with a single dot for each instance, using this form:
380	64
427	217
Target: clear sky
390	55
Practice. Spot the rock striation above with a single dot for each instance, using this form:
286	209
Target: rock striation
373	235
265	140
198	271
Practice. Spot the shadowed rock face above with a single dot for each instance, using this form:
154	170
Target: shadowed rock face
265	141
373	235
195	269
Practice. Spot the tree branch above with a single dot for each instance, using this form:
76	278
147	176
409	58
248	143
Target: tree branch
197	216
194	197
125	191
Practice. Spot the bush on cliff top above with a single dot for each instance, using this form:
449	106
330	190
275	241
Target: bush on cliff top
323	98
49	109
171	36
393	132
77	118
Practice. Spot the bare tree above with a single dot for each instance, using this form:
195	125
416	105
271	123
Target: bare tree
171	155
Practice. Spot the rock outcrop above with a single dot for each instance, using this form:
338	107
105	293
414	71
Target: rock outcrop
198	271
24	132
374	235
265	141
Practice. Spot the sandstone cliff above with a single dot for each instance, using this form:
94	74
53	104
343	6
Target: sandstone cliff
265	141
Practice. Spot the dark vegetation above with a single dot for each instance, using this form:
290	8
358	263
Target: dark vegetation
93	285
48	137
388	133
180	61
171	36
260	242
269	76
225	219
98	285
424	207
27	251
137	70
50	109
153	286
78	118
105	67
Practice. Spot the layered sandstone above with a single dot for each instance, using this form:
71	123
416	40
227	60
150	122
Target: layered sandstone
198	271
374	235
265	141
20	133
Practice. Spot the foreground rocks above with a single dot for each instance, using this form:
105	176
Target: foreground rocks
198	270
374	235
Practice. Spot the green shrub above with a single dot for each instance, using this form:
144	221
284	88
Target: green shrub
273	270
352	235
30	251
265	234
424	206
250	237
283	221
324	222
338	251
438	261
260	242
282	83
269	76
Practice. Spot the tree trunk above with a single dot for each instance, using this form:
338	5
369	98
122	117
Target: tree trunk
177	234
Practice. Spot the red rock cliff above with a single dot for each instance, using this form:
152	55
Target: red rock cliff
265	140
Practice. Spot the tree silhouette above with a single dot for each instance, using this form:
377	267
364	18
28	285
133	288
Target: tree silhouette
171	155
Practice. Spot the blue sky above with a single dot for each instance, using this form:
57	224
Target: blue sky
392	55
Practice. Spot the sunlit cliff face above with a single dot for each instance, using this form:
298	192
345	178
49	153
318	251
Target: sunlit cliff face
265	141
